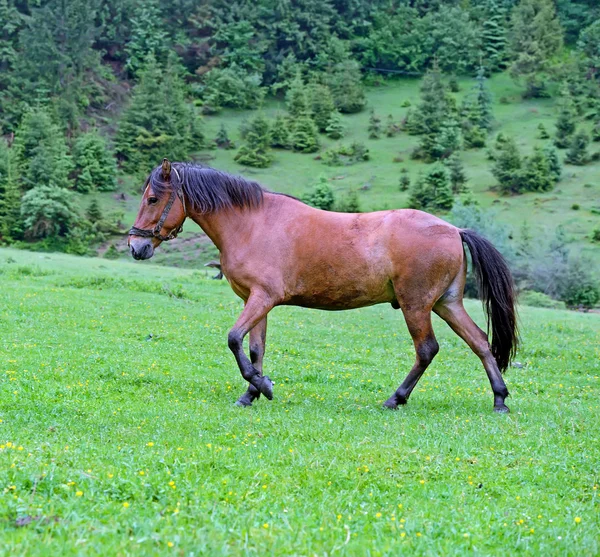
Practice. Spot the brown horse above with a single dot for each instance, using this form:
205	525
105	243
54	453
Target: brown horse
275	250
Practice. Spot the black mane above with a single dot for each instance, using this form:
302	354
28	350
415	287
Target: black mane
207	190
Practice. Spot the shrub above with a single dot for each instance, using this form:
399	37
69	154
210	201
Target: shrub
346	154
321	196
539	300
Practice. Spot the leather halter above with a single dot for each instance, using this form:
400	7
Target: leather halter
155	232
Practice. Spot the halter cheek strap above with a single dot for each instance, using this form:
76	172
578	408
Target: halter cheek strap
155	232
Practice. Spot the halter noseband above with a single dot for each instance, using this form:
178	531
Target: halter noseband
155	232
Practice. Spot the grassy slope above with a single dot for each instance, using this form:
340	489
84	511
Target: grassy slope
101	419
296	173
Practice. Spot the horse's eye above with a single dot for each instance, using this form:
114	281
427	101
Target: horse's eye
152	200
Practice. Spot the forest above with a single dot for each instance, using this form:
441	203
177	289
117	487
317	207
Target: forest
94	93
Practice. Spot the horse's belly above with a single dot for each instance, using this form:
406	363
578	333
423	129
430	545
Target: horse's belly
342	294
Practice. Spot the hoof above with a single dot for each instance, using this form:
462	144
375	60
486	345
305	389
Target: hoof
266	387
245	400
391	403
502	409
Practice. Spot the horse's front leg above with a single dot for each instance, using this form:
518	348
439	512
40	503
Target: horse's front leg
256	309
258	337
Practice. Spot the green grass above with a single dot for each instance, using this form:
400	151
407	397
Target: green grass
115	442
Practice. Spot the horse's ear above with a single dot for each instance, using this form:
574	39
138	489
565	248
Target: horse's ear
166	169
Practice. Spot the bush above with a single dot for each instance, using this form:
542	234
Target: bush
344	155
349	203
48	212
95	167
539	300
232	87
584	294
596	235
321	196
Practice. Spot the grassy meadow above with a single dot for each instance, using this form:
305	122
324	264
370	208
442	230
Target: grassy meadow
119	436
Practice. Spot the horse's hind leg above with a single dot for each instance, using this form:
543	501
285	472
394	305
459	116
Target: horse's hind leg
426	347
453	313
258	337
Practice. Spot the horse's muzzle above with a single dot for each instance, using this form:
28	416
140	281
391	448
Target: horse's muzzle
141	249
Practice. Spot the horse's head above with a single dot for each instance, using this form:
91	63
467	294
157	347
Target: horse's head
161	213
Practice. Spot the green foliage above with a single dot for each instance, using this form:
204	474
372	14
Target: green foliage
435	119
10	194
231	87
494	36
321	196
93	212
565	123
344	155
95	166
349	203
345	84
537	174
536	36
304	135
335	126
374	125
280	132
581	286
321	105
476	109
158	123
404	180
222	140
458	177
507	167
596	235
578	149
589	46
391	128
41	151
48	212
256	150
296	98
148	37
432	191
539	300
543	132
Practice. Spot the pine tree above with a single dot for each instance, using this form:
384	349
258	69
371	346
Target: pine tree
95	166
349	203
578	153
374	125
321	105
222	140
280	132
507	166
10	195
433	191
11	21
41	151
321	196
404	180
543	132
391	128
304	136
335	126
458	178
536	173
148	37
158	122
93	212
296	98
346	87
554	163
256	150
493	36
536	36
565	124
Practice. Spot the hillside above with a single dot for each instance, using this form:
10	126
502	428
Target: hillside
118	432
376	181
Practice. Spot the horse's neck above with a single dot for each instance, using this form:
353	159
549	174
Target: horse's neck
225	227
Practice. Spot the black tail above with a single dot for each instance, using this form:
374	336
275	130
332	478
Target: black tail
497	292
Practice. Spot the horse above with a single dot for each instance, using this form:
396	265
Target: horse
275	250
